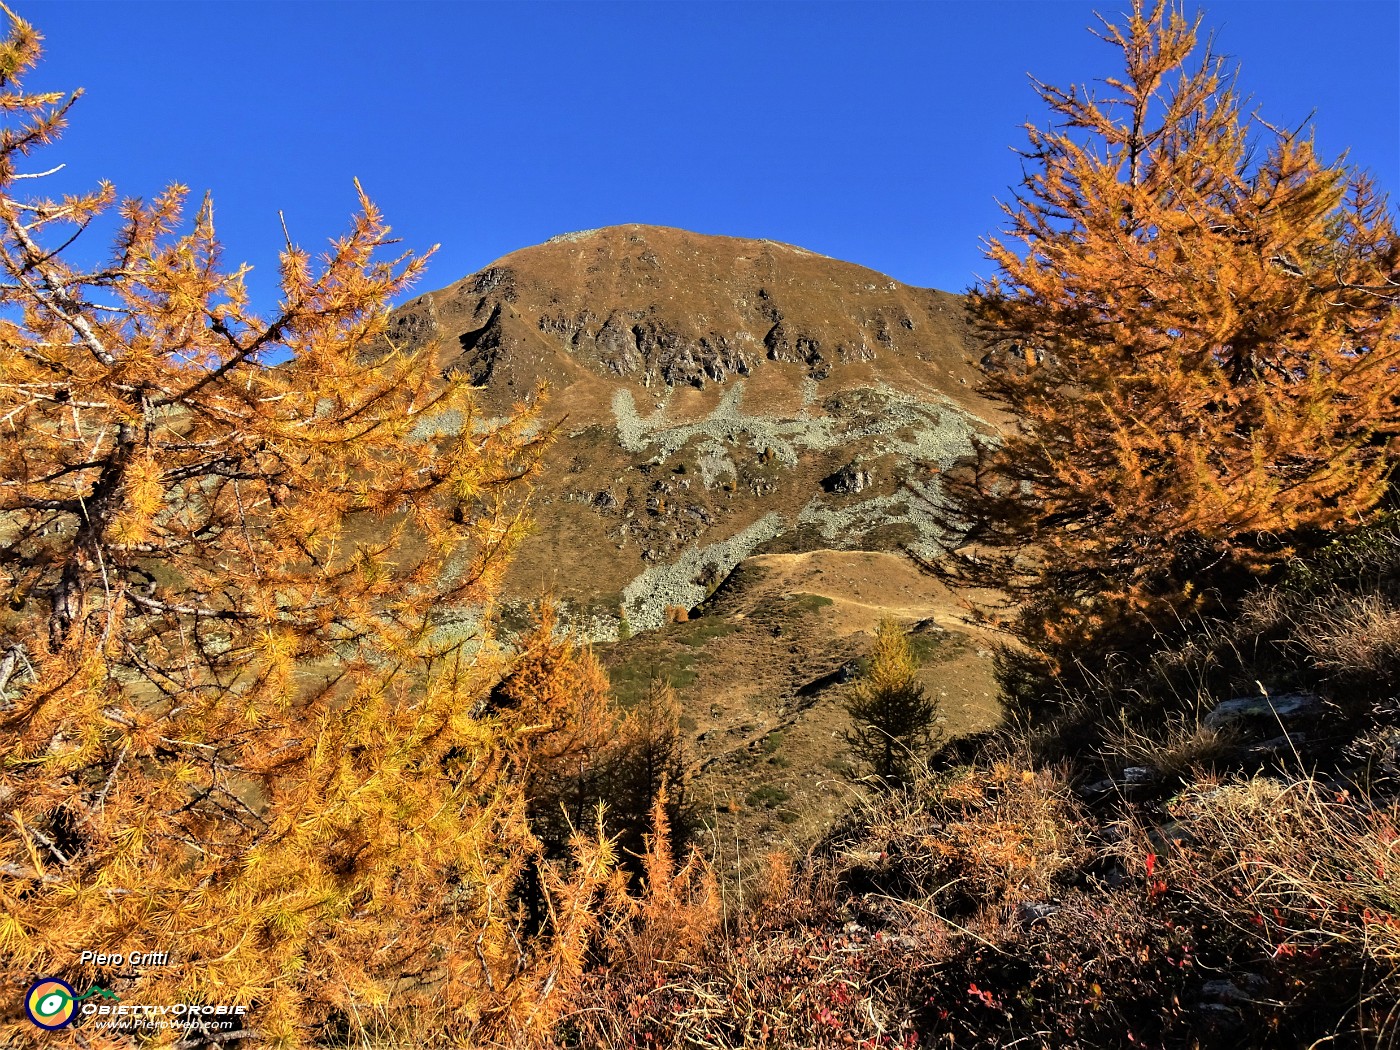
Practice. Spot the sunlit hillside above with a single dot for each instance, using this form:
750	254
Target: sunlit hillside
663	639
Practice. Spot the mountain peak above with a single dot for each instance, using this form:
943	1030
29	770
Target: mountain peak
662	307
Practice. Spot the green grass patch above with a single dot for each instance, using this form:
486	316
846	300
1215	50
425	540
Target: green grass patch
840	763
767	796
801	604
788	608
633	677
772	742
695	633
932	648
935	646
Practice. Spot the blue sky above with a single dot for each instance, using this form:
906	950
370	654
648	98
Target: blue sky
874	132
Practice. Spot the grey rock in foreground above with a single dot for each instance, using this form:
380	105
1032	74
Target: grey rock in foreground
1247	709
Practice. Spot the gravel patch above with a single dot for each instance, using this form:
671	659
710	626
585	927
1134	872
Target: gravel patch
902	423
437	425
575	235
645	598
713	462
922	506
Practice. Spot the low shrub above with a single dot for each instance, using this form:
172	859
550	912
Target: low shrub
766	796
987	907
1303	880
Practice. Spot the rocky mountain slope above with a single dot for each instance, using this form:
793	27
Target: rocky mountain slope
749	442
717	398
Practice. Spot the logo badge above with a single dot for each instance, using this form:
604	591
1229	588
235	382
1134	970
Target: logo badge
49	1003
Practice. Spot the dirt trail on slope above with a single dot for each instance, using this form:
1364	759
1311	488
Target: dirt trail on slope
763	674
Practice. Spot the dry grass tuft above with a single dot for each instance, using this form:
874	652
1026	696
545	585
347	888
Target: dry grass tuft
1356	636
1299	868
993	835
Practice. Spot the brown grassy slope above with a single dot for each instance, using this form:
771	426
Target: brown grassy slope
584	293
1241	894
762	677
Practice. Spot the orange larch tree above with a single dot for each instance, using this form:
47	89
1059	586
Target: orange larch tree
1196	328
242	645
585	764
556	700
649	759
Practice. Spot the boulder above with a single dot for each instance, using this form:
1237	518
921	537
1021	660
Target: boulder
1247	709
849	478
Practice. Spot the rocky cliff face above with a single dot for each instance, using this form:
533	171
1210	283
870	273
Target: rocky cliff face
721	397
